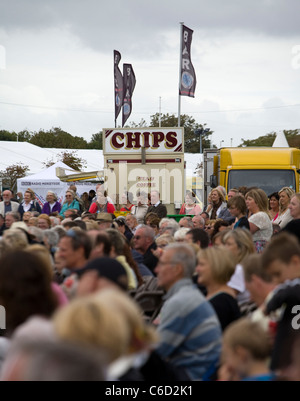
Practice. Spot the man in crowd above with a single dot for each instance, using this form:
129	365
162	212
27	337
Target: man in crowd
156	205
8	205
144	243
198	221
9	219
190	332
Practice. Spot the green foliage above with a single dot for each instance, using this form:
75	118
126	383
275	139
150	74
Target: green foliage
71	159
292	137
57	138
96	141
191	141
7	136
12	173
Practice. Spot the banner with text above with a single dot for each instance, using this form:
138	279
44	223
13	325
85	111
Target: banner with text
128	87
187	74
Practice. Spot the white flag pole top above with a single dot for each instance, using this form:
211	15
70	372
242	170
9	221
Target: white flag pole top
280	141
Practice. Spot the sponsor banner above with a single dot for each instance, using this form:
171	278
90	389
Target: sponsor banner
41	188
128	87
118	84
187	75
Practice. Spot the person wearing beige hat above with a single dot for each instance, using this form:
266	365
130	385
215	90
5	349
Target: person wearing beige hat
104	220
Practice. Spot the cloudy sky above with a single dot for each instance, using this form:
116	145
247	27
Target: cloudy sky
56	63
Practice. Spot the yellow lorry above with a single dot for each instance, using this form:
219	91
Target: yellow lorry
268	168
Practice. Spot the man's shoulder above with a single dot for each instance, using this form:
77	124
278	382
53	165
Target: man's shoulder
190	294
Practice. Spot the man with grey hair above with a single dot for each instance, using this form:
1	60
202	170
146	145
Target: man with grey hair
186	222
168	226
189	329
10	218
198	221
8	205
144	242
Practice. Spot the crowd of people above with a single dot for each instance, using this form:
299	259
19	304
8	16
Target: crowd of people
94	293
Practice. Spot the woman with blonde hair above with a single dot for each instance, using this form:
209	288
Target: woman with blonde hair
215	267
113	322
259	220
284	215
294	206
240	243
86	321
218	207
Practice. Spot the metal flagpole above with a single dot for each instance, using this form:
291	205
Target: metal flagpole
180	62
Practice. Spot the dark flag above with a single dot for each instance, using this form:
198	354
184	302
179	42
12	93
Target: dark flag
118	84
187	73
128	85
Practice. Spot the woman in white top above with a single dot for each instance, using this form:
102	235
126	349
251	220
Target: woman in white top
259	220
284	215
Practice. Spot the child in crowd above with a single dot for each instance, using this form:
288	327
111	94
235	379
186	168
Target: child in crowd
246	351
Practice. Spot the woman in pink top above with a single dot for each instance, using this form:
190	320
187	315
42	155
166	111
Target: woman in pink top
190	206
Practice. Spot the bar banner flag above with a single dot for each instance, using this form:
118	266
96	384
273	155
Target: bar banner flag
187	74
118	84
128	85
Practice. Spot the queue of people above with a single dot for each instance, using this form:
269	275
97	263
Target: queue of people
142	296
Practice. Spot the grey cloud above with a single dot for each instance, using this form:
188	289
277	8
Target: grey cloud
140	26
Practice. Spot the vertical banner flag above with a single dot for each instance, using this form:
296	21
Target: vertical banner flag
128	85
187	75
118	84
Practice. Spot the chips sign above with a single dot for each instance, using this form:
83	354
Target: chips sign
153	140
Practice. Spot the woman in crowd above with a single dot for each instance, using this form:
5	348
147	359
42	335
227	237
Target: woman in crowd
259	220
294	206
218	205
51	205
190	206
29	204
127	202
102	204
274	205
70	202
120	224
86	202
284	216
140	210
25	289
215	267
240	243
44	222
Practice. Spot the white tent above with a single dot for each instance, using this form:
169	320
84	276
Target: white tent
47	180
280	141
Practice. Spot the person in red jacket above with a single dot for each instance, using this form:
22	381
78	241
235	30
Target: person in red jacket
102	204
